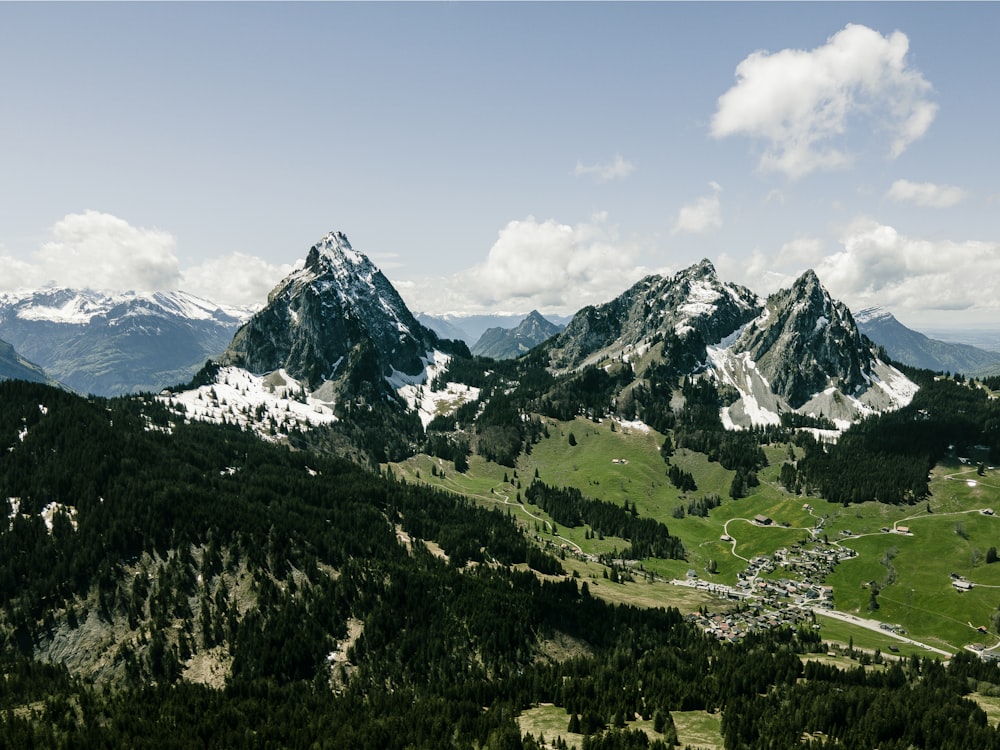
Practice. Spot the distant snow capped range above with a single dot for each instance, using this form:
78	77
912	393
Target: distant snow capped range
114	343
80	307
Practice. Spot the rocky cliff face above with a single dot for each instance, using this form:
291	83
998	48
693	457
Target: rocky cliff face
805	342
687	311
804	353
335	314
14	367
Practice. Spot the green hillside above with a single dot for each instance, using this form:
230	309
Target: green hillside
621	463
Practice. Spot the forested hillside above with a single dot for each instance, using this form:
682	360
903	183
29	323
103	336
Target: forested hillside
187	585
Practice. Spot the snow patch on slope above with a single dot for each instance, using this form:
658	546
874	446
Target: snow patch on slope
428	403
758	405
272	405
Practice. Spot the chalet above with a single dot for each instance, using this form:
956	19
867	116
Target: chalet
962	585
762	520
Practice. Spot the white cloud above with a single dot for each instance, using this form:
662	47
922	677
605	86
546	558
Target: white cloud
536	264
235	279
16	273
619	169
926	194
100	251
916	279
800	102
703	215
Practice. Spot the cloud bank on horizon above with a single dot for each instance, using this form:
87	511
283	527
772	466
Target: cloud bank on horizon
95	250
788	120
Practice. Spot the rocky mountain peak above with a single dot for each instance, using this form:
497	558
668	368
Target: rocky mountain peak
693	306
804	353
320	317
806	342
334	254
506	343
701	270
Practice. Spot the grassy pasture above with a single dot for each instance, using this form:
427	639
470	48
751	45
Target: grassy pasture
615	463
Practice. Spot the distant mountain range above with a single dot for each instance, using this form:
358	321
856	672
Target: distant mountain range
912	348
507	343
110	344
471	328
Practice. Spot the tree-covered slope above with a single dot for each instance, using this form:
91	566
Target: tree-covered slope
172	585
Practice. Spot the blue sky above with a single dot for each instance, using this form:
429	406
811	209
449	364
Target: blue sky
504	157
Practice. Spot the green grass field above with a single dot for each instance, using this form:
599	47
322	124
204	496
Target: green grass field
619	463
696	729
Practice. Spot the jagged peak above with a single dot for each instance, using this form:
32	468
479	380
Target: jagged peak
808	280
700	270
334	252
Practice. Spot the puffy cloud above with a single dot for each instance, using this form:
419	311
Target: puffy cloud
800	101
101	251
536	264
880	266
915	278
16	273
703	215
619	169
235	279
926	194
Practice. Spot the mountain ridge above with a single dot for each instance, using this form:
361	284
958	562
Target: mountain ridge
506	343
916	349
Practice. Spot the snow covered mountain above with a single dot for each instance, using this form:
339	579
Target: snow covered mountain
912	348
110	344
800	351
336	338
657	319
336	314
804	353
507	343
